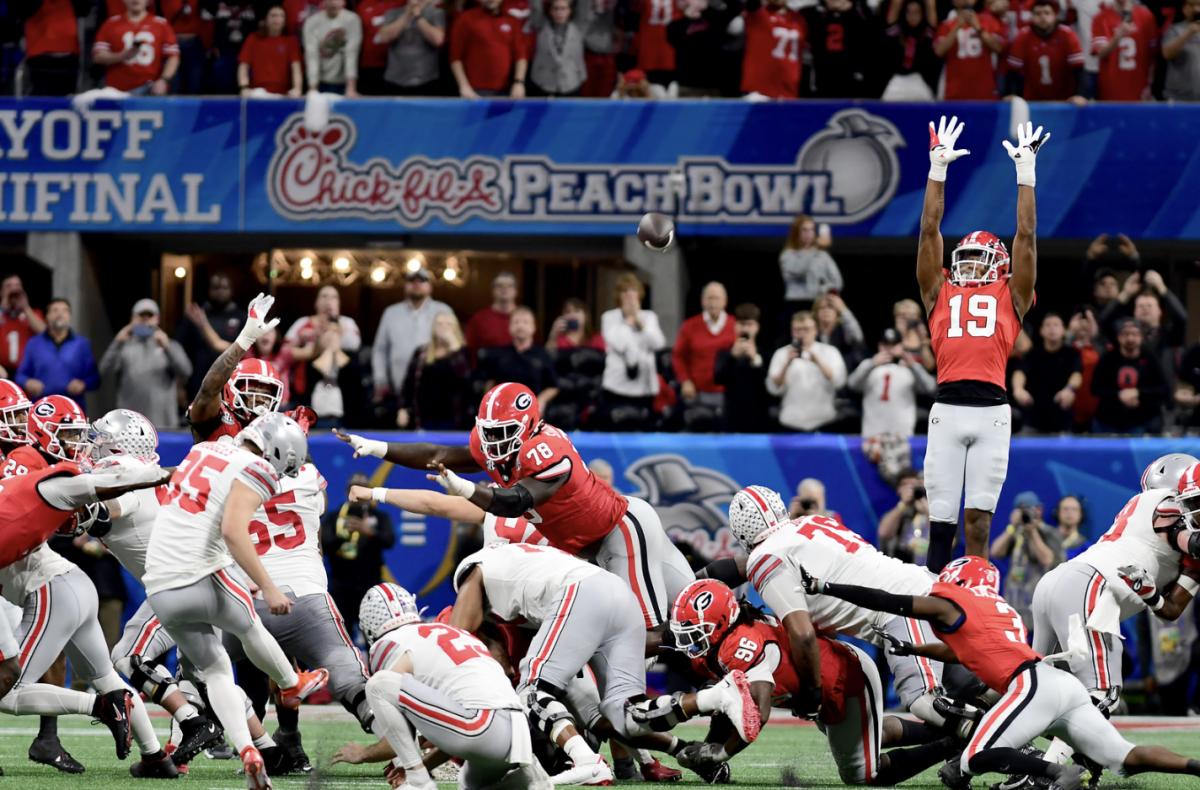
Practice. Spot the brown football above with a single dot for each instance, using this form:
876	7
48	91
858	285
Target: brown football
656	231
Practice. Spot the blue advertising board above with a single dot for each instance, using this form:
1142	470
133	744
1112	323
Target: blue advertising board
578	167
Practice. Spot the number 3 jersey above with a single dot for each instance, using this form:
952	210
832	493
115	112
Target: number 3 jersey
186	544
450	660
832	553
989	638
972	330
286	533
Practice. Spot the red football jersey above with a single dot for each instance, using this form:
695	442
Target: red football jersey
26	520
990	639
582	511
155	41
841	674
970	66
1047	63
372	12
1125	72
488	46
50	31
775	36
224	424
654	52
15	331
270	59
972	330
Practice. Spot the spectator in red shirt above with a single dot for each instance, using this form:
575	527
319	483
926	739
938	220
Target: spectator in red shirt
775	36
18	323
270	60
488	328
573	329
967	41
372	58
193	26
1124	39
700	339
297	11
655	55
1046	60
138	50
487	53
52	47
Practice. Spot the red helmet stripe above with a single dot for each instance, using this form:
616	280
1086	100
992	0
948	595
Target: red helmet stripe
767	514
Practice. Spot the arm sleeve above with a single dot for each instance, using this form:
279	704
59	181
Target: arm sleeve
870	598
832	273
780	594
858	378
778	364
180	364
110	363
851	329
763	670
354	35
458	34
351	336
923	380
260	477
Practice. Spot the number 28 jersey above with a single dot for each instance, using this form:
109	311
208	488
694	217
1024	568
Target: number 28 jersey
286	531
972	330
186	544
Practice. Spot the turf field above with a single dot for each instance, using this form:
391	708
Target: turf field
781	746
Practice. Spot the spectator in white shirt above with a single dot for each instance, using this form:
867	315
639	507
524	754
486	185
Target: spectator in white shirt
332	41
631	336
403	328
889	383
805	374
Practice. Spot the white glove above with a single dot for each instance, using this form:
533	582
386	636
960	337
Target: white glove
454	485
1024	154
257	324
941	146
363	446
1138	580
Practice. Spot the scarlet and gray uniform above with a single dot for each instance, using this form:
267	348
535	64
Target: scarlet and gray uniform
830	551
1089	587
456	695
584	615
286	533
10	621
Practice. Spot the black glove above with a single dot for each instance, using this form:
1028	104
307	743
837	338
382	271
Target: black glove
894	646
807	703
812	585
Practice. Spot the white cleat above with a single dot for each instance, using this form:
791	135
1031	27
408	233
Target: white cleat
595	774
739	706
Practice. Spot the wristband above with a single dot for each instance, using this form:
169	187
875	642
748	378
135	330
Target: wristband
937	171
379	494
1189	584
1155	602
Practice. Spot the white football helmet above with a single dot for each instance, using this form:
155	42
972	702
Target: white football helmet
754	512
281	441
384	608
124	432
1165	471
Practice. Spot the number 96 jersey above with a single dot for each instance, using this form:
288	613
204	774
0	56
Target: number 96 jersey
972	331
286	530
450	660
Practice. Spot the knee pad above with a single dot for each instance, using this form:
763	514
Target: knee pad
358	707
544	704
1106	700
150	678
662	714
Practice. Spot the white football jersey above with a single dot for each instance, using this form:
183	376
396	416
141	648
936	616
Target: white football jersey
1131	540
450	660
30	572
186	543
832	553
286	532
510	530
889	401
524	581
129	538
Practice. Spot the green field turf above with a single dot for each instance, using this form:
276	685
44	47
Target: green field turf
780	746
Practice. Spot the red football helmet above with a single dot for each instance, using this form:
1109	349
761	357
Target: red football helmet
254	389
980	258
59	428
974	573
1189	496
14	413
703	613
508	415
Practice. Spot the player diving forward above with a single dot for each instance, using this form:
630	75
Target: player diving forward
202	529
975	315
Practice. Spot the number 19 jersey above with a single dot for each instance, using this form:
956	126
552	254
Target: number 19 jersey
286	533
973	330
186	544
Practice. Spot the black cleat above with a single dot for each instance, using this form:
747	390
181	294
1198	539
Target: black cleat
718	774
49	751
626	770
112	710
154	766
199	733
277	761
290	742
222	751
952	776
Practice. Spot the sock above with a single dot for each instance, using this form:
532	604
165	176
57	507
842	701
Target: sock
913	733
225	701
186	712
1006	760
1059	751
417	775
941	544
262	649
643	757
48	700
675	746
906	763
289	720
1193	767
264	741
709	699
578	751
48	727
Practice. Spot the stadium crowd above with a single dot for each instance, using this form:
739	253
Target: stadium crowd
1110	50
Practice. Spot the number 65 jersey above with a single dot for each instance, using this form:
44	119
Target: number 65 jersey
286	533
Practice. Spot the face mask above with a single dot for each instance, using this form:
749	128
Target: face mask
143	330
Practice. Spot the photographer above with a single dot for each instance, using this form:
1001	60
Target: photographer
147	365
810	500
354	537
742	372
806	374
904	530
1034	548
889	383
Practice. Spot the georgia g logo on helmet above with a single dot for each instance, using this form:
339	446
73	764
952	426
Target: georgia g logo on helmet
44	409
524	401
702	601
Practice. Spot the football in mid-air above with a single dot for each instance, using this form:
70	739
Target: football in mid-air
656	231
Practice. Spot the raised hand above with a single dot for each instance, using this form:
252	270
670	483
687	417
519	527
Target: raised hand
941	146
447	479
257	324
1024	153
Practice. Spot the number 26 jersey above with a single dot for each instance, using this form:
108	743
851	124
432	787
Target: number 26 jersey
972	330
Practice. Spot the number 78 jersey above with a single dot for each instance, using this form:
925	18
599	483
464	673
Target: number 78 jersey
286	533
972	330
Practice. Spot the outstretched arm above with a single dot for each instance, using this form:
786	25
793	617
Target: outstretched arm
416	500
73	492
929	246
938	611
207	403
414	455
1024	253
510	502
467	613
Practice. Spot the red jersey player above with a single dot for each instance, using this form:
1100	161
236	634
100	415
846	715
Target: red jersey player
980	630
19	321
1046	57
975	312
138	49
1124	38
969	42
775	37
655	55
537	473
723	635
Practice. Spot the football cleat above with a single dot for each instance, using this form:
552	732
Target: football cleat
199	733
306	684
112	710
289	743
49	751
596	774
256	772
737	704
719	774
154	766
654	771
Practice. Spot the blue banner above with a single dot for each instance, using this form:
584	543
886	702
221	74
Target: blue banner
579	167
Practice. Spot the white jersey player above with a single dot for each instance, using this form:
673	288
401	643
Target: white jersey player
779	546
441	681
202	529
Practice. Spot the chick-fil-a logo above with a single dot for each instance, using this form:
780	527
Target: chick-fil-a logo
310	177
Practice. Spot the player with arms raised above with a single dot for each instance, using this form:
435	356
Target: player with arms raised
975	315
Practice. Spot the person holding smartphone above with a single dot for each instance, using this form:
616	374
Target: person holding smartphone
147	364
573	329
805	375
1033	547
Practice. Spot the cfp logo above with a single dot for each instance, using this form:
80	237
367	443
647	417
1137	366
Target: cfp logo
692	501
